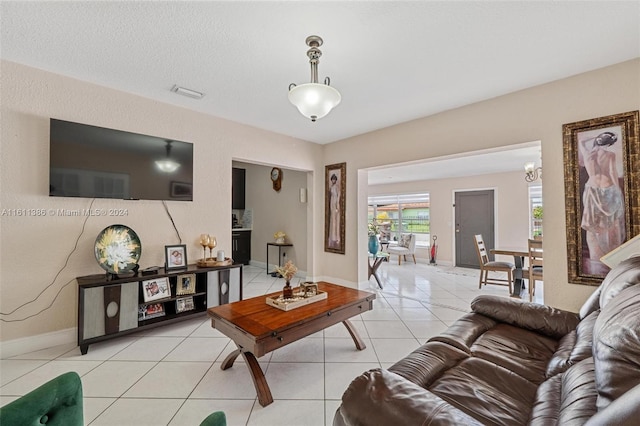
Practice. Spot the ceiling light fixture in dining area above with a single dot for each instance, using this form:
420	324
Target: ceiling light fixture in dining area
314	100
532	173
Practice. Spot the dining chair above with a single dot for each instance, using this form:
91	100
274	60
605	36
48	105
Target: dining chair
487	266
535	266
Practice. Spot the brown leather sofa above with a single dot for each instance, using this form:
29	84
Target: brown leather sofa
510	362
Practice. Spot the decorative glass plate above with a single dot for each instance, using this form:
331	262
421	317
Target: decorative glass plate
118	249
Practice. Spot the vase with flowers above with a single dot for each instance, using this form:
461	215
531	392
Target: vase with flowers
279	237
372	228
288	271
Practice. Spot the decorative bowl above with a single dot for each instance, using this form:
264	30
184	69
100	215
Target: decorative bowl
117	249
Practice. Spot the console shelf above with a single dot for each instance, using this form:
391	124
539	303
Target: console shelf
109	308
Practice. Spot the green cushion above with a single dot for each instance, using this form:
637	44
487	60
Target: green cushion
56	403
215	419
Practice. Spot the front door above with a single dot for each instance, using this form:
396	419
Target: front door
473	215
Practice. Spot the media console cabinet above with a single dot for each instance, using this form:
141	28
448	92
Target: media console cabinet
130	303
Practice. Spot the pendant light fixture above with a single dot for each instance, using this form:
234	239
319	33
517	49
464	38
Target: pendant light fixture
314	100
167	165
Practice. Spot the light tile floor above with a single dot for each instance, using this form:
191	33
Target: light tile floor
171	375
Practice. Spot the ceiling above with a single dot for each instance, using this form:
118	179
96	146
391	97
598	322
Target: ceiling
392	61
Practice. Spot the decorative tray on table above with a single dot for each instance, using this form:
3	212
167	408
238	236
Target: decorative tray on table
212	261
297	301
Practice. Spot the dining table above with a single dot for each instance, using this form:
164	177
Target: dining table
518	254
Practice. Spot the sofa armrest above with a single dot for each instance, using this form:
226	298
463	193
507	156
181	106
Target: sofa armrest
543	319
624	411
384	398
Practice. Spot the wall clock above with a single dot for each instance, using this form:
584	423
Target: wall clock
276	178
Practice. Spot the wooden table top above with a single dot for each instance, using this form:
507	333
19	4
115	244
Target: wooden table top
511	251
257	318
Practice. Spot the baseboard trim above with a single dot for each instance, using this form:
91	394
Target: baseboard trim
23	345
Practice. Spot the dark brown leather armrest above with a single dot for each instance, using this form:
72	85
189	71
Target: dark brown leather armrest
624	411
380	397
543	319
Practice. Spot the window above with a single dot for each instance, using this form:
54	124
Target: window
397	214
535	210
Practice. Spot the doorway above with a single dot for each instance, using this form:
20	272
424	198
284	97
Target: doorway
474	214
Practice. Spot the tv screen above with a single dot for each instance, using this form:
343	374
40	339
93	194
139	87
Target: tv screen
94	162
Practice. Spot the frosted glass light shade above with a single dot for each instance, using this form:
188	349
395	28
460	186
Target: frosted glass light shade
529	167
314	100
167	166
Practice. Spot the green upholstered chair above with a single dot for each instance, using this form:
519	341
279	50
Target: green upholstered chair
57	402
216	418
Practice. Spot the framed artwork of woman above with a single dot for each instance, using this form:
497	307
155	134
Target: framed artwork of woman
602	184
334	207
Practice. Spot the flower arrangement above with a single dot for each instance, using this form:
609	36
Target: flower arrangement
287	271
373	228
279	235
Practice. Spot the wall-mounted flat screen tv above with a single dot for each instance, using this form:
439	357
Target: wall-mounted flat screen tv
95	162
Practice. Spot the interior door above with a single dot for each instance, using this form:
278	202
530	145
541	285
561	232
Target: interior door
473	215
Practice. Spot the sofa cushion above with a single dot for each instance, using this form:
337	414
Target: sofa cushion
486	392
574	347
624	411
567	398
624	275
380	397
521	351
616	348
428	362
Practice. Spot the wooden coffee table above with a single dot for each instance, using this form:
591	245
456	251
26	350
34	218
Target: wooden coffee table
257	328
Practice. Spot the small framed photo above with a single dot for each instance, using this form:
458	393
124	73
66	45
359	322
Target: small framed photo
156	289
175	256
153	310
184	304
186	284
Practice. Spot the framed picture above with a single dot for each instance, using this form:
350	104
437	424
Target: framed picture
184	304
181	190
175	256
186	284
335	180
153	310
156	289
602	191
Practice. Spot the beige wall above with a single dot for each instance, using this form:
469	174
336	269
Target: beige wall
511	207
276	211
34	249
533	114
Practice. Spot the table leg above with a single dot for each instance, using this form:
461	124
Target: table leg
259	381
230	359
518	279
354	335
373	268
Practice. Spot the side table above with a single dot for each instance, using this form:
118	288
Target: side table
374	264
279	245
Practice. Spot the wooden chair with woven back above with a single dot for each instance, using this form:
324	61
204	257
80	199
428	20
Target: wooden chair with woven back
489	266
535	266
